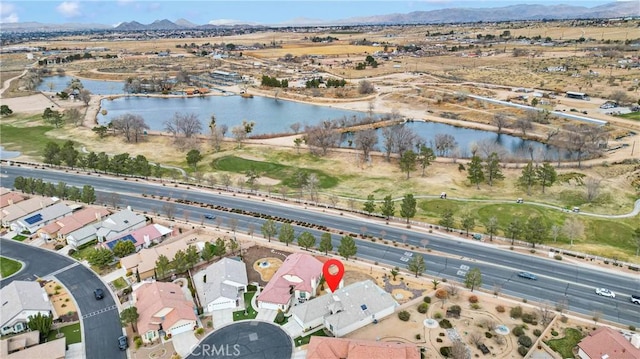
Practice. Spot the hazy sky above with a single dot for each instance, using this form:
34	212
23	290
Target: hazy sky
257	11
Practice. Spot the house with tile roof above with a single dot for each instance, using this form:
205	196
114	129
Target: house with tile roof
339	348
144	261
345	310
21	299
27	346
18	210
221	285
60	228
163	309
607	343
142	237
113	226
36	220
296	281
8	198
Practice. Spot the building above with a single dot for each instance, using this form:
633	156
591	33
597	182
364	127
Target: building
225	78
36	220
142	237
606	343
163	309
338	348
113	226
27	346
221	285
21	299
61	228
296	281
18	210
8	198
345	310
144	261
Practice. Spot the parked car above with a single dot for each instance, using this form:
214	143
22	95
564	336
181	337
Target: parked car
527	275
605	292
123	342
635	299
210	216
98	293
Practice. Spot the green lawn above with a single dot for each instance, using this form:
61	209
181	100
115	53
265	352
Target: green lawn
251	313
8	267
19	238
305	340
119	283
284	173
565	345
71	333
631	116
12	137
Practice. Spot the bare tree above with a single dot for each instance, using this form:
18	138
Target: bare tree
592	187
365	141
131	126
365	87
169	209
225	179
405	139
388	142
546	314
458	350
621	97
490	324
573	228
444	143
453	288
233	224
85	96
295	127
500	121
186	124
186	214
322	136
484	148
562	306
74	116
311	185
524	124
555	232
476	338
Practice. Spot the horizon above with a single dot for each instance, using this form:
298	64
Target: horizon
262	12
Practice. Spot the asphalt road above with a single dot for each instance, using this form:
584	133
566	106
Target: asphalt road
100	318
558	281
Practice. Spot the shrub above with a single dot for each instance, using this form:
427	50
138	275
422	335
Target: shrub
557	257
518	331
138	342
426	299
404	315
488	335
537	332
525	341
632	328
445	351
500	309
72	251
438	315
475	306
209	324
445	324
554	332
516	312
199	331
564	319
57	287
529	317
455	309
418	336
438	340
423	308
523	350
442	293
279	317
473	299
58	247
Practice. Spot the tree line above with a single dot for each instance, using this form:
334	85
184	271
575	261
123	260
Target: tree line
86	194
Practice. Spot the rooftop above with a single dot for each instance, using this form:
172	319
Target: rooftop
160	302
297	270
19	296
605	342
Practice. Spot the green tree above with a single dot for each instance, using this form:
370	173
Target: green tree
286	233
394	272
221	248
252	177
193	157
180	263
416	265
163	266
192	256
74	194
130	316
141	166
41	323
269	229
101	131
425	157
492	168
52	154
514	229
408	162
546	175
491	226
88	194
467	221
120	163
306	240
528	177
408	207
369	205
387	208
103	162
124	248
475	174
325	243
53	117
537	230
447	219
68	154
208	252
100	257
347	247
5	110
473	278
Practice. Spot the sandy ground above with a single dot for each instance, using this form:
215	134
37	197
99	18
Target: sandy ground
62	302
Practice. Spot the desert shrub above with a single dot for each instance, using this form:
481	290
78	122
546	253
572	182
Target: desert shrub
455	309
554	332
404	315
525	341
418	336
557	257
500	309
423	308
488	335
209	324
564	319
473	299
445	351
138	342
475	306
199	331
632	328
279	317
537	332
58	247
72	252
438	315
426	299
529	317
518	331
516	312
438	340
442	293
523	350
445	324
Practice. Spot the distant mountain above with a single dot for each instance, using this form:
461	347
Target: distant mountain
185	23
130	26
163	25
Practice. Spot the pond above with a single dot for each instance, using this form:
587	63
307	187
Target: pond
98	87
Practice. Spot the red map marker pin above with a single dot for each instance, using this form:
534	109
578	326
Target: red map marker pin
333	270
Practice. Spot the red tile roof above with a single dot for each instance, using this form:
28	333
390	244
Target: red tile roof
77	220
153	298
298	270
606	341
339	348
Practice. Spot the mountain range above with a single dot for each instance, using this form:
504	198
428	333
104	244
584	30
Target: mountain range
451	15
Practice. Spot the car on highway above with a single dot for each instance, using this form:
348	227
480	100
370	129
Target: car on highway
210	216
605	292
123	342
527	275
635	299
98	293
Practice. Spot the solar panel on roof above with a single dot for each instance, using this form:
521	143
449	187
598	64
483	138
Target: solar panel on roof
128	237
33	219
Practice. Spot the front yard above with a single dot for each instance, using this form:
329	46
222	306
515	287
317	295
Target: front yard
249	312
8	267
70	332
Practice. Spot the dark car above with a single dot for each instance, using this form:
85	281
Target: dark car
527	275
123	342
209	216
98	293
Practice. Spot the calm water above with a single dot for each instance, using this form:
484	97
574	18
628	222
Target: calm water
60	83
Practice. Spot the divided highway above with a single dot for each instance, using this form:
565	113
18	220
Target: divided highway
557	281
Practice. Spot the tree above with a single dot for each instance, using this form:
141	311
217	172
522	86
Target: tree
546	175
5	110
394	272
306	240
269	229
475	174
325	243
492	167
68	154
73	116
467	221
163	266
347	247
444	143
180	263
387	207
528	177
537	230
592	188
425	157
524	124
573	228
369	205
491	226
100	257
186	124
131	126
53	117
408	207
408	162
416	265
130	316
447	219
193	157
124	248
85	96
51	153
473	278
500	121
365	141
41	323
365	87
286	234
514	229
252	178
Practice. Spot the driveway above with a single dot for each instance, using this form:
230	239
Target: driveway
183	343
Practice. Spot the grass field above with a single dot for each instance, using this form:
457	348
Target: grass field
8	267
305	340
631	116
71	334
565	345
24	134
251	313
119	283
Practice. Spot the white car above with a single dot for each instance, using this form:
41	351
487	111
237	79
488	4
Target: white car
605	292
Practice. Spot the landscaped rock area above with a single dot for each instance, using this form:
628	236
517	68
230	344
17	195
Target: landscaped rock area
62	302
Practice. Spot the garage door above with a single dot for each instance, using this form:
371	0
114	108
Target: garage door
181	329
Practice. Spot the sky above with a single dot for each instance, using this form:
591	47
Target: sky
222	11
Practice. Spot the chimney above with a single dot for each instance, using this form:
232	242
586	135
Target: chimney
10	202
98	216
147	241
